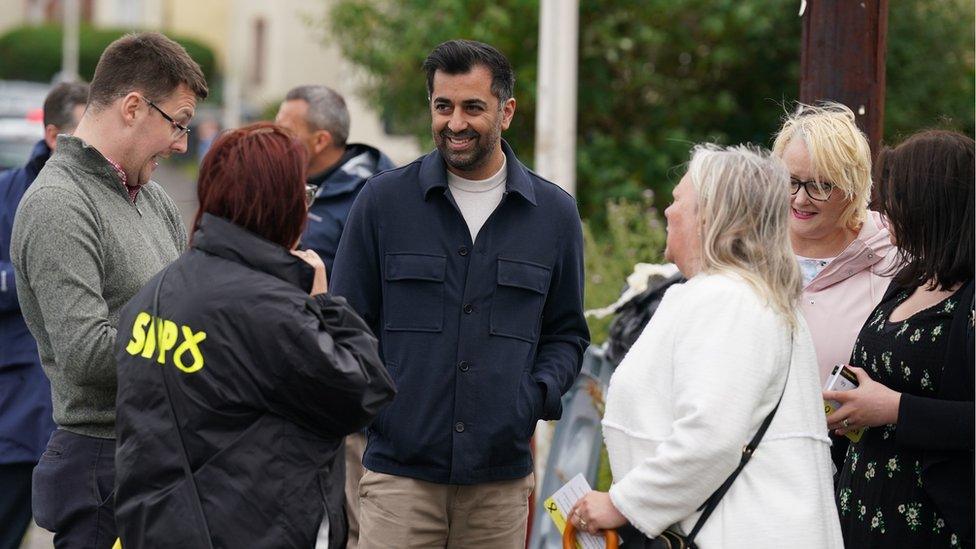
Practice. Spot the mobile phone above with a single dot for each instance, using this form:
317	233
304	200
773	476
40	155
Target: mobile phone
841	379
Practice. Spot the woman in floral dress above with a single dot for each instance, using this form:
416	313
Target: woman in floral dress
909	481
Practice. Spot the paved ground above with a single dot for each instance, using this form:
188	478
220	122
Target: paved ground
182	187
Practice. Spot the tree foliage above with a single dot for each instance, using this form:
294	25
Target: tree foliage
656	76
33	53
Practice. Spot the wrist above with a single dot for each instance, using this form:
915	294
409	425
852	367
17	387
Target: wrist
893	407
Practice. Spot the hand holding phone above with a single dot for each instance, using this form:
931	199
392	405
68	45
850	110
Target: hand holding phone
842	379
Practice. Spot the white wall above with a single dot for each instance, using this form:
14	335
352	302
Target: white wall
295	55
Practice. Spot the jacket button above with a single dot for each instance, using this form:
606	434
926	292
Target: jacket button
459	427
468	309
464	366
463	251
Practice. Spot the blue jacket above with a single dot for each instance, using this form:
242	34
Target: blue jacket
26	419
338	188
480	338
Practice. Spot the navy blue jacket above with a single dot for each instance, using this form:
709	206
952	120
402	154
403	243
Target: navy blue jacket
26	419
480	338
338	188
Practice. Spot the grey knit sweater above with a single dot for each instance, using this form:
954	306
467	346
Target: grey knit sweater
80	250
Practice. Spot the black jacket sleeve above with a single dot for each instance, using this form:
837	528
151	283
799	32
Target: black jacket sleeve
935	424
326	375
948	421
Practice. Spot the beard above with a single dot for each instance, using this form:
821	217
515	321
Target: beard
476	156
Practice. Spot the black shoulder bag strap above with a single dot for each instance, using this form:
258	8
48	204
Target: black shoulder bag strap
172	410
712	502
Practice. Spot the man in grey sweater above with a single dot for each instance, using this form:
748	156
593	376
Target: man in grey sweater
90	232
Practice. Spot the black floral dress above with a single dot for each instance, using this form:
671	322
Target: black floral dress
879	488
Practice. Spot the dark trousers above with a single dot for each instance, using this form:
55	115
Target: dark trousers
15	503
74	492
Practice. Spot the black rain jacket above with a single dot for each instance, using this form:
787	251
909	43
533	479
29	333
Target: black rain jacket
264	382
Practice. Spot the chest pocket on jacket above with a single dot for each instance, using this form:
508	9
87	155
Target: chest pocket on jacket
413	294
516	307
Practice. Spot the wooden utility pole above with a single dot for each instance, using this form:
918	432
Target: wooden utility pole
843	59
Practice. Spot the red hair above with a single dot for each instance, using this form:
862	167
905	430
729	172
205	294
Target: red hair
254	177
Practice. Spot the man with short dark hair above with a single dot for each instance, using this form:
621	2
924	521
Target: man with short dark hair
25	394
318	116
469	269
89	233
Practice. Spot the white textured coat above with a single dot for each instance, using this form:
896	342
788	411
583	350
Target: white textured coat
691	392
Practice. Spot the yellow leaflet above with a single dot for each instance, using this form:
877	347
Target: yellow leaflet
557	517
853	434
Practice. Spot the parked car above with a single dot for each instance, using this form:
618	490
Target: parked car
21	120
18	99
17	137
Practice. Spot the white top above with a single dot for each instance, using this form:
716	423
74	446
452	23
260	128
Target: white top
478	199
810	267
692	391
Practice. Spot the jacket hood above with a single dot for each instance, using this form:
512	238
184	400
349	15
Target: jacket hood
357	163
871	249
218	236
39	155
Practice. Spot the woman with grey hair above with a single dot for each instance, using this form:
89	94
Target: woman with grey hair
726	365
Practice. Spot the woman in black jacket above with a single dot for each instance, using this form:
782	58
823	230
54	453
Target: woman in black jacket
238	374
908	482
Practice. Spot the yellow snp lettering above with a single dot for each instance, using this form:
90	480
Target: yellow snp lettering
157	336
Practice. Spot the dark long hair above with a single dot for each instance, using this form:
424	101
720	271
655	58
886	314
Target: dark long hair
254	177
925	189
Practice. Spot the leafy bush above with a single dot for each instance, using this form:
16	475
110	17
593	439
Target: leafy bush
635	234
33	53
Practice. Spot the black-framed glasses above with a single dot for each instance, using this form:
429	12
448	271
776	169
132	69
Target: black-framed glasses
179	130
816	191
310	191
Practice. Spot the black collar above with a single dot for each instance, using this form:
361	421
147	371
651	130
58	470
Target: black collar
218	236
433	174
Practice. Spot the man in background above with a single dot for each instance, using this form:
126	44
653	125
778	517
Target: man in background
337	170
318	116
25	393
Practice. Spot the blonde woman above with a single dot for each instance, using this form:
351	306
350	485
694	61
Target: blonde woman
712	364
843	248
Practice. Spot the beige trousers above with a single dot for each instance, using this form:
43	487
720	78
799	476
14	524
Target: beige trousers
355	445
409	513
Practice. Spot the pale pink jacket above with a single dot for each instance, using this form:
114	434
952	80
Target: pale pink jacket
837	301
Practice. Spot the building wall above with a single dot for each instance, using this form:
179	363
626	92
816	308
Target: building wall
295	53
12	13
259	72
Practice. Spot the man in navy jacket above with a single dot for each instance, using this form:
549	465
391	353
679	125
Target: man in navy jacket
25	394
469	269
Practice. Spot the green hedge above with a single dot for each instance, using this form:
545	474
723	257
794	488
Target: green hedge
34	53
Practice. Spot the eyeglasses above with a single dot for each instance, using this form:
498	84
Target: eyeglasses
310	191
179	130
816	191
